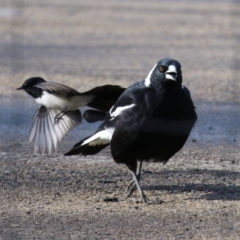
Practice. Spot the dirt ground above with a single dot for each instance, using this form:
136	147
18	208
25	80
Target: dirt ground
88	43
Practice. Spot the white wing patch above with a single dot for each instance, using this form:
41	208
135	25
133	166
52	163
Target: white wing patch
100	138
147	81
119	110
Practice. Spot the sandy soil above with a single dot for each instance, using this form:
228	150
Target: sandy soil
88	43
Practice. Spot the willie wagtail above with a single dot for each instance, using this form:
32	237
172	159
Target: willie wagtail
59	112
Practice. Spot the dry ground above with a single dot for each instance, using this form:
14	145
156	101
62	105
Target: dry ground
87	43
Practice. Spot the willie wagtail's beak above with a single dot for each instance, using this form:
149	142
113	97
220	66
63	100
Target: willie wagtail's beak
171	73
20	88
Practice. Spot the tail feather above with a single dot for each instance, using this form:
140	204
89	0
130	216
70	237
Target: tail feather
105	96
94	115
93	144
85	149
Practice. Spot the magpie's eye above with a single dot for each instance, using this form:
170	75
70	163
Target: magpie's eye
161	69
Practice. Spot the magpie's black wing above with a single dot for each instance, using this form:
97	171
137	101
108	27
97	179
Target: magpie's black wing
45	134
155	128
138	104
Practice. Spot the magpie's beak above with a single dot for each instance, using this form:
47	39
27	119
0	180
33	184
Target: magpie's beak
171	73
20	88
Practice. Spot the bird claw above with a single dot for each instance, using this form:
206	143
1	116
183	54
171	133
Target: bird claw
130	188
131	192
135	184
149	202
145	199
57	120
157	201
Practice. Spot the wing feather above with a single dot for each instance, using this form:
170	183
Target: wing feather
45	134
58	89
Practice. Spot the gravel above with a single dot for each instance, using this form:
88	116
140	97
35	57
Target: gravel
88	43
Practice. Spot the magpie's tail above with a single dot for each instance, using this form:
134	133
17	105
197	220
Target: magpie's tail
104	96
85	149
93	144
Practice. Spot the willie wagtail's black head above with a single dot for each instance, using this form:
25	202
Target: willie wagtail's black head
30	86
166	70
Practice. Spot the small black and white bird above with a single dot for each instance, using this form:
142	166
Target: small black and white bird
151	121
59	111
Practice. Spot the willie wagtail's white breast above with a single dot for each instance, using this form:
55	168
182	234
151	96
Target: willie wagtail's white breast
50	100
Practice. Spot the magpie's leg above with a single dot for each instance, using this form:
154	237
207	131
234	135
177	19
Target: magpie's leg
142	195
132	186
59	116
129	186
135	184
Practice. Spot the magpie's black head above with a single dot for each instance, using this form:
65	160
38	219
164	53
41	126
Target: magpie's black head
30	86
165	71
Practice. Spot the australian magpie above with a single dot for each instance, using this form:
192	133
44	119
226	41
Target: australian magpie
150	121
59	112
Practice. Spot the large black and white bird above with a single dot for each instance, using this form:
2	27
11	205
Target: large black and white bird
59	111
151	121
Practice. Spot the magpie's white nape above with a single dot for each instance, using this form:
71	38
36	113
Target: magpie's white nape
59	110
150	121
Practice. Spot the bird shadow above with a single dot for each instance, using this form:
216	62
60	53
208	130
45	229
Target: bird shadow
205	184
198	184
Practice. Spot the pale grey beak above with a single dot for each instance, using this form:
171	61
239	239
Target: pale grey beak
171	73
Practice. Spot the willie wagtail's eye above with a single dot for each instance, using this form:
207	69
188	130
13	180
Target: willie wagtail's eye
161	69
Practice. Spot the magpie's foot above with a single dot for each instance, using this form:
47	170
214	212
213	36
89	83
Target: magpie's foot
146	200
157	201
131	188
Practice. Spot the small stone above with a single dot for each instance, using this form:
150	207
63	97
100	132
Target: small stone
7	172
110	199
14	225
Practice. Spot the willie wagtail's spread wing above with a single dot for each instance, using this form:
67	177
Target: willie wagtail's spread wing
92	115
45	134
58	89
